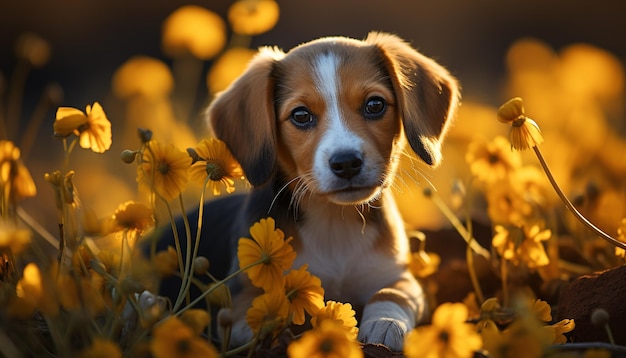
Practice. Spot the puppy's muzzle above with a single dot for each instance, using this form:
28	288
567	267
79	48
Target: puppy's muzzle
346	164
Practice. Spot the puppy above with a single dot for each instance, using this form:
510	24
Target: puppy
319	131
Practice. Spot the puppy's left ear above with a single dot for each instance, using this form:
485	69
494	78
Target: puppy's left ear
427	94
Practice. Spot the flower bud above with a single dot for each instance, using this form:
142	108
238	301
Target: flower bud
128	156
145	135
599	317
200	265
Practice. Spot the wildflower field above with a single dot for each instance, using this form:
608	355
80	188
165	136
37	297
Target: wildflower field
519	237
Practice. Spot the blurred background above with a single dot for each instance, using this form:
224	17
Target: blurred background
565	58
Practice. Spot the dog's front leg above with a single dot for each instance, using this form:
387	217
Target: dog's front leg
392	312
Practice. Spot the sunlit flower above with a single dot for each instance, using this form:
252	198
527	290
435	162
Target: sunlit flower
621	236
101	348
492	161
193	30
542	310
268	313
215	161
173	338
423	264
507	206
13	237
560	328
525	132
522	244
133	216
92	127
269	246
37	290
305	293
448	336
253	17
339	312
164	168
15	178
329	339
227	67
142	76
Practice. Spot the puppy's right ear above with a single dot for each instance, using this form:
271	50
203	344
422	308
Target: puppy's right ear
243	116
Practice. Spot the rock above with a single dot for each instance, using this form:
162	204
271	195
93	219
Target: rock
582	296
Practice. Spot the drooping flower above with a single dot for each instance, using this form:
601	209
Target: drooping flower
492	161
253	17
92	126
194	30
525	132
305	293
267	245
522	245
213	159
268	313
329	339
164	168
174	339
339	312
448	336
15	179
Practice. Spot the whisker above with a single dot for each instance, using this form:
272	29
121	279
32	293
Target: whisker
280	191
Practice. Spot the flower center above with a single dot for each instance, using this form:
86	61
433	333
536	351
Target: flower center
493	158
444	337
163	168
326	346
183	346
215	171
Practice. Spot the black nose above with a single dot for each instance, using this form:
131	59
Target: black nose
346	164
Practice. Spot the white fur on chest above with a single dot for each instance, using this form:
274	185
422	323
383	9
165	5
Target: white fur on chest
341	250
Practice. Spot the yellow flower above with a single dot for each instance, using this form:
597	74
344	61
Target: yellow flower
101	348
492	161
13	238
525	132
144	77
561	327
133	216
305	293
193	30
448	336
15	178
522	244
197	319
423	264
505	205
174	339
37	290
215	161
170	166
226	68
524	338
621	236
166	262
93	128
329	339
269	246
253	17
33	49
339	312
542	310
268	313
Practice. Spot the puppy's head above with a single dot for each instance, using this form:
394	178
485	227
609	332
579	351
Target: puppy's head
333	114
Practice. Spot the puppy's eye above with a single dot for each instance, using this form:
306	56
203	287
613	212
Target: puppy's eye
374	108
302	118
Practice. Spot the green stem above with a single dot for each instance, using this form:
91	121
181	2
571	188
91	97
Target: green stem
571	207
214	287
467	236
184	286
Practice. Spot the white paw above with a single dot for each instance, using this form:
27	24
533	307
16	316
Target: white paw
387	331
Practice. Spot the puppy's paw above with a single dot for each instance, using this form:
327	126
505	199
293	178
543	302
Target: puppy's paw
387	331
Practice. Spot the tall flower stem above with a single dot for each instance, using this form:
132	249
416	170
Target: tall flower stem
571	207
466	235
